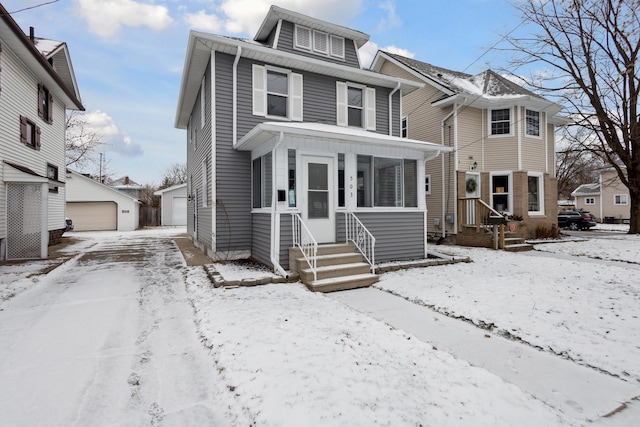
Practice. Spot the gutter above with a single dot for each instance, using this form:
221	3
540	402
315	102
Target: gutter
275	224
391	109
235	95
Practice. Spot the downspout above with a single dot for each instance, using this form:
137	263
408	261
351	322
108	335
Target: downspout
444	199
275	224
391	109
235	96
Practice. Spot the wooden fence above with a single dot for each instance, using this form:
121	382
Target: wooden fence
150	217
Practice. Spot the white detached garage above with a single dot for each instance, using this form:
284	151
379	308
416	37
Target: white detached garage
93	206
174	204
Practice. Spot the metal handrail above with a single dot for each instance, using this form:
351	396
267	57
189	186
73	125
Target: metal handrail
303	239
356	232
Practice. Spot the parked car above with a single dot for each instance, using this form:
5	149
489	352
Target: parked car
576	220
68	224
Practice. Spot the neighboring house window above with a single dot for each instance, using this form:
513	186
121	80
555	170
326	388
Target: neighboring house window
341	189
590	201
205	195
262	182
355	106
500	193
318	42
535	193
427	184
203	100
392	181
276	93
404	127
45	104
620	199
29	133
292	178
52	174
501	121
533	122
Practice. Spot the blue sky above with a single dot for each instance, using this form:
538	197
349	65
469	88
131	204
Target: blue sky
128	55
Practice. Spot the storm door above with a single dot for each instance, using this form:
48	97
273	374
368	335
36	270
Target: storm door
318	207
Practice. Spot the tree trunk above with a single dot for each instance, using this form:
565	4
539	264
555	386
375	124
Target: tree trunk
634	202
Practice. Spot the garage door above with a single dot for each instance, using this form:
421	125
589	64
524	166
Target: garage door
179	211
93	216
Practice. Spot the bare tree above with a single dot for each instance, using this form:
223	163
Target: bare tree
575	165
592	47
173	175
81	141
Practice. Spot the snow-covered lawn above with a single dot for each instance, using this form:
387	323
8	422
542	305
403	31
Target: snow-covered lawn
577	306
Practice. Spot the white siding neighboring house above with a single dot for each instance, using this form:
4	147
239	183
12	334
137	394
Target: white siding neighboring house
37	86
173	205
608	199
94	206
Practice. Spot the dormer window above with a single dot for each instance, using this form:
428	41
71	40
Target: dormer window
318	42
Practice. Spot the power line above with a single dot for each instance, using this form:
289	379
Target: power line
34	6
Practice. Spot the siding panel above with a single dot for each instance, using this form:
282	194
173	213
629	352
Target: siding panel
399	235
261	238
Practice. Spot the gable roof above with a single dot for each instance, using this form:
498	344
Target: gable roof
587	190
58	53
12	35
102	186
482	90
277	13
168	189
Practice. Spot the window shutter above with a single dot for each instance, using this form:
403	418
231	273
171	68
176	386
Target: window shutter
337	46
296	97
341	104
23	130
370	107
38	138
303	37
259	90
50	112
40	101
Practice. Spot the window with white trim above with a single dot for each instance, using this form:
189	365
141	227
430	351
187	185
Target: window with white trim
387	182
262	182
590	201
276	93
500	121
341	181
355	106
404	127
427	184
203	99
532	122
318	42
52	174
205	195
620	199
535	193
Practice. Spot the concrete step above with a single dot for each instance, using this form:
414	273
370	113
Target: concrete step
340	270
518	247
332	259
343	283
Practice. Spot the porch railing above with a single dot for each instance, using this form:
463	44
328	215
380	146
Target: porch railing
362	238
303	239
475	212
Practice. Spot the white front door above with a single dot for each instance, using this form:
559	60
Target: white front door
317	209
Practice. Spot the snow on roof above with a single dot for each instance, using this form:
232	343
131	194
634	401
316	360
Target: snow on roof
586	189
46	46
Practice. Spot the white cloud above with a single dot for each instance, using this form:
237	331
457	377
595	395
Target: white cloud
116	140
106	17
392	19
203	21
245	16
369	50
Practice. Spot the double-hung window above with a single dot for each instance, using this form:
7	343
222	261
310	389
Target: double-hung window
276	93
393	182
52	174
501	122
45	104
535	193
500	192
355	106
533	122
404	127
29	133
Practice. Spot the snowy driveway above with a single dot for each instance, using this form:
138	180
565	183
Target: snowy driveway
107	339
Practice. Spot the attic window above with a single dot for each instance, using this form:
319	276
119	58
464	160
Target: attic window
318	42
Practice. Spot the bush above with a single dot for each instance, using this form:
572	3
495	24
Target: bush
546	232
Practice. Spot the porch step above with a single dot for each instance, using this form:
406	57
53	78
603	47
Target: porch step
339	270
343	283
333	259
516	244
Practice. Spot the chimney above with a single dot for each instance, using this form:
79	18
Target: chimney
32	34
126	180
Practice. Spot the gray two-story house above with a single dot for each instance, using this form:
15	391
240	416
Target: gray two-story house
290	142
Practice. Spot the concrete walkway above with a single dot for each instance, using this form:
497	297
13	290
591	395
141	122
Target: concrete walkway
575	390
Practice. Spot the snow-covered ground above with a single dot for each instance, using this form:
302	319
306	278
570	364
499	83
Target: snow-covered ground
109	340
